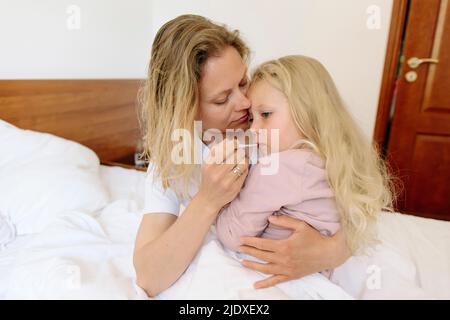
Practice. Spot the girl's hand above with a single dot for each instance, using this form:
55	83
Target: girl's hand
221	180
305	252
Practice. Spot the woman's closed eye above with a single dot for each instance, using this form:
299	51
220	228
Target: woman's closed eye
242	85
222	102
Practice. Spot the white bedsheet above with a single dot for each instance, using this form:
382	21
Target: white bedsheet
84	257
81	257
412	261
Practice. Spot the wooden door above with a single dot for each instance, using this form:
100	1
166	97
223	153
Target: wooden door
419	142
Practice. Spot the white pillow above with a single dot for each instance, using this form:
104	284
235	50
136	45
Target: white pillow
42	176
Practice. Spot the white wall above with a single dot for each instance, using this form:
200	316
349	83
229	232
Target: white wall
113	40
115	37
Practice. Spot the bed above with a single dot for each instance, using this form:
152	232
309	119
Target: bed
54	245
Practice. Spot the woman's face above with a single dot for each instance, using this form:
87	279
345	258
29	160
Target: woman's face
270	111
223	89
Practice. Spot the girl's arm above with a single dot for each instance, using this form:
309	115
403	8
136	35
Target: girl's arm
306	251
262	195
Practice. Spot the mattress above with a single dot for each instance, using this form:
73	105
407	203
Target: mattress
84	256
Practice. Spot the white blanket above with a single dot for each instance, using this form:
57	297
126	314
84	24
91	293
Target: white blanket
80	257
216	274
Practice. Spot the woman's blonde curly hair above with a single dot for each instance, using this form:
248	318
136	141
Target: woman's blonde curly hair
169	98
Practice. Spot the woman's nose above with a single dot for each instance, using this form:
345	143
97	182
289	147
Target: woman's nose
243	103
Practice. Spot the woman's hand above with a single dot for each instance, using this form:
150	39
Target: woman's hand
305	252
221	180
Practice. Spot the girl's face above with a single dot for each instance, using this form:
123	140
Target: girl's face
223	88
270	111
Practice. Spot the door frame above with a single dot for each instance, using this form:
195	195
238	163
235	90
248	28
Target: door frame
391	65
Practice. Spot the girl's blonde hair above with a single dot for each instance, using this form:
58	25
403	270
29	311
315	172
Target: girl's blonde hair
356	173
170	96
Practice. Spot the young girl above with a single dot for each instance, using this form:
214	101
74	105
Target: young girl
329	175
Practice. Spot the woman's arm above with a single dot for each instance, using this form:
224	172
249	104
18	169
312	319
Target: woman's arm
305	252
165	245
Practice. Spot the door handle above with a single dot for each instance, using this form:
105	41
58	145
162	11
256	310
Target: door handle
415	62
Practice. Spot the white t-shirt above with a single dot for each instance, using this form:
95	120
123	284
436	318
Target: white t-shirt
158	200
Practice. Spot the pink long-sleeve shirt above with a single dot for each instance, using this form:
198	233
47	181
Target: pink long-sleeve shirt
298	189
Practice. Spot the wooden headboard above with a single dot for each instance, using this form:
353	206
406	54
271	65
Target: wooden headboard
100	114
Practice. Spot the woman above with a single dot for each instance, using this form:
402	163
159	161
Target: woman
198	72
